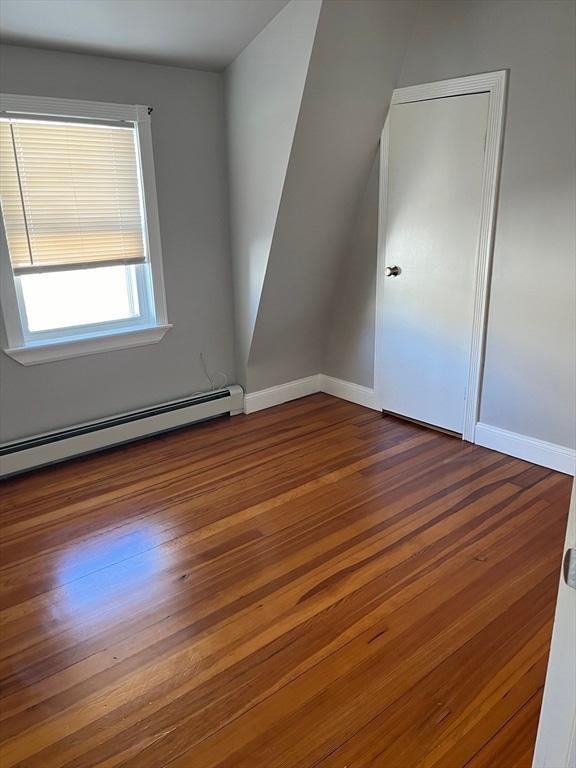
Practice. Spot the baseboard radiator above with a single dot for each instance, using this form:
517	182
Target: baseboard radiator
86	438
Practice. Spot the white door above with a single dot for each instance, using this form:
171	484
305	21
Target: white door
556	742
435	170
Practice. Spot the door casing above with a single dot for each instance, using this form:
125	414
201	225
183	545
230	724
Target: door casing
556	740
495	84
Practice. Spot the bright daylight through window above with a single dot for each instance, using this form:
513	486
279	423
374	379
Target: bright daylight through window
81	263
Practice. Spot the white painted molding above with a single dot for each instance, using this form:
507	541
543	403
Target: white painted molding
283	393
347	390
556	739
493	83
527	448
45	353
152	220
485	82
492	160
34	352
379	348
8	298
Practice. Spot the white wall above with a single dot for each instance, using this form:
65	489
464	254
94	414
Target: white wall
189	154
264	87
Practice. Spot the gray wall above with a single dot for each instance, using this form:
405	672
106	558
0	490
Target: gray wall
349	345
264	88
529	384
357	57
189	154
529	379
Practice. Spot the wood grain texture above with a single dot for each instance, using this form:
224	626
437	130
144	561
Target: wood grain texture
307	586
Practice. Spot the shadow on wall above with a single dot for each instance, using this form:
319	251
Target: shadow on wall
349	349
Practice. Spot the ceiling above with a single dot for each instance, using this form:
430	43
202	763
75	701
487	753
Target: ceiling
197	34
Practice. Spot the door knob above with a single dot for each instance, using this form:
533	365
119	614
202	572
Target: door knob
569	569
392	271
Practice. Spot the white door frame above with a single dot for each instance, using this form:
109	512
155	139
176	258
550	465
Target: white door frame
556	740
493	83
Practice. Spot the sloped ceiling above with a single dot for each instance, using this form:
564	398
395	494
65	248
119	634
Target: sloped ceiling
264	89
356	60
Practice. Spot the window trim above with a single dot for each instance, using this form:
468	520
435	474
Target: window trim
31	353
98	328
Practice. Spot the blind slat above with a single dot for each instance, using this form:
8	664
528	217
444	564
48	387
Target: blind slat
70	195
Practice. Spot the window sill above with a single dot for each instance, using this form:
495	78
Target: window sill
62	350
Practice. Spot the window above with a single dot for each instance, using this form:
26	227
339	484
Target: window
81	264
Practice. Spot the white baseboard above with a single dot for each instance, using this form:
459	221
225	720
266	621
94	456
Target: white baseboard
512	444
266	398
528	448
346	390
283	393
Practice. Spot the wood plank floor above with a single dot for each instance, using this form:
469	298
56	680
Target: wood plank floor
312	585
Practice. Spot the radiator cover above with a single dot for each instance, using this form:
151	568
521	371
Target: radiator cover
52	447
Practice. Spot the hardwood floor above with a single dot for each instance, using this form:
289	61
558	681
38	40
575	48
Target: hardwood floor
311	585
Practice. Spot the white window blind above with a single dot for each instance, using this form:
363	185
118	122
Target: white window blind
70	195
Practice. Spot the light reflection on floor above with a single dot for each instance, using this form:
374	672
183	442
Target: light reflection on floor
113	574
